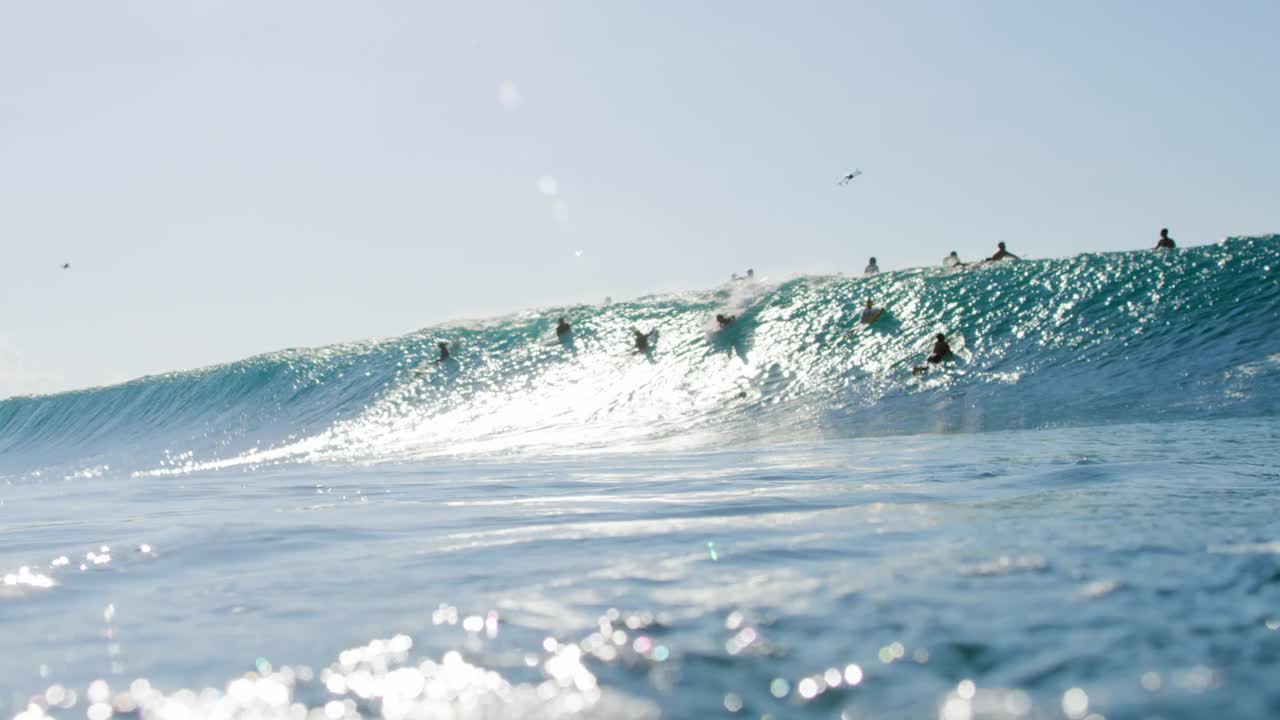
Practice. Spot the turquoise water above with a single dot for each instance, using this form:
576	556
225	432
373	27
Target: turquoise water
1075	518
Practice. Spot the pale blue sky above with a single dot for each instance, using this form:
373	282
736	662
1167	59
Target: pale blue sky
233	178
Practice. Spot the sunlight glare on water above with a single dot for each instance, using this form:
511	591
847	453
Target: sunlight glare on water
1073	518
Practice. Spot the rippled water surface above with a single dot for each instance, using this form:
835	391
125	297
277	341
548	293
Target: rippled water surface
1075	517
1128	571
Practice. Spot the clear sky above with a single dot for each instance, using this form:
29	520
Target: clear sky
229	178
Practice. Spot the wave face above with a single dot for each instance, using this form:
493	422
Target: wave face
1092	339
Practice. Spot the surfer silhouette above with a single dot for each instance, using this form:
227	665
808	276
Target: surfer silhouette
444	352
643	339
871	269
952	261
562	328
941	351
725	321
1166	242
847	178
1002	254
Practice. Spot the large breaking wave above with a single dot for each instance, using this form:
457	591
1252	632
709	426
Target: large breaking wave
1096	338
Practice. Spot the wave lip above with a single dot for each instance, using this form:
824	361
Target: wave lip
1095	338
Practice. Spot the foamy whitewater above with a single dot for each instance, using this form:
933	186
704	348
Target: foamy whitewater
1074	519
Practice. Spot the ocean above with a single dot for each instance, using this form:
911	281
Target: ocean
1074	518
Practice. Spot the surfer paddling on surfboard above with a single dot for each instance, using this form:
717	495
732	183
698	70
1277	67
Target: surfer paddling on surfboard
1002	254
643	339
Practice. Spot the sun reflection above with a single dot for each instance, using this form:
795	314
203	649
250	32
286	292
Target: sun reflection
1075	703
380	678
383	678
956	708
1151	681
26	577
969	701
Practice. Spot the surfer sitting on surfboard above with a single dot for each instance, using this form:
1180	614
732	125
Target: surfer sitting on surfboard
941	351
952	261
870	313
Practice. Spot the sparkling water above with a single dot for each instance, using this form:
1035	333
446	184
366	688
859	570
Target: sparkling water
1075	518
